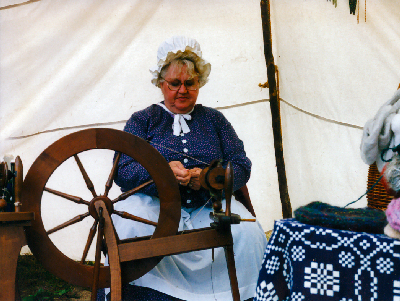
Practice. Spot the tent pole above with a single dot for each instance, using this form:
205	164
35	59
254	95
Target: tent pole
275	109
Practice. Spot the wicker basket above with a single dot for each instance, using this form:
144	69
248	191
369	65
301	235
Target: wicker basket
377	197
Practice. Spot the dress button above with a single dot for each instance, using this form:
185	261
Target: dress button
184	141
188	201
185	150
185	160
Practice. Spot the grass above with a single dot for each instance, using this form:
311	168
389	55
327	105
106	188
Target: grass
35	283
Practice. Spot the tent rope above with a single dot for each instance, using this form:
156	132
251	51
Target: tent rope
217	108
18	4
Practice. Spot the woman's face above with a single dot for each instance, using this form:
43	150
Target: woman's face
182	100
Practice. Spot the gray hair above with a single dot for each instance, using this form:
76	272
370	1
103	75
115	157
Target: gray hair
194	64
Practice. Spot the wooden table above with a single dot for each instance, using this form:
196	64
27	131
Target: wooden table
12	239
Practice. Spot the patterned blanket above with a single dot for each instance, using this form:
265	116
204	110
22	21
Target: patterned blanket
310	263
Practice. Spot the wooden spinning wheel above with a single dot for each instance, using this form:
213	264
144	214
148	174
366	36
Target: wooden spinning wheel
129	259
70	146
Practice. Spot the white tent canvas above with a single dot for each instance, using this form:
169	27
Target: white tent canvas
70	65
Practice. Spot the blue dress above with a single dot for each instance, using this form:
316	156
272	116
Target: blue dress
211	137
191	276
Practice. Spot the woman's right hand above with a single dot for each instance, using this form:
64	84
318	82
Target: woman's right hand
182	174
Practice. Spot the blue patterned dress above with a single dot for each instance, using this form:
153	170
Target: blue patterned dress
191	276
211	137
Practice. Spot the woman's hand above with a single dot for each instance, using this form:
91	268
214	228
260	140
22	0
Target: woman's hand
181	173
194	182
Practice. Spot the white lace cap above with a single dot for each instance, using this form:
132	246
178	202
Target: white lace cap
173	46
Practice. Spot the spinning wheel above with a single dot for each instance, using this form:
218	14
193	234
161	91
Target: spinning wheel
129	259
70	146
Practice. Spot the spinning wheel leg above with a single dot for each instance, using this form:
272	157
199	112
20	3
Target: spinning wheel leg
98	255
113	255
230	261
229	255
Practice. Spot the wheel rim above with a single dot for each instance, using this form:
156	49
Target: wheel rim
44	166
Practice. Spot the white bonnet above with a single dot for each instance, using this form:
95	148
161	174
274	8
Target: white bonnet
173	46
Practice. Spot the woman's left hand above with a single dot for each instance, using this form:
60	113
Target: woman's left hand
194	182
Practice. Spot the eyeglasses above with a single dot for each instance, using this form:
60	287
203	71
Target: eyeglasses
175	85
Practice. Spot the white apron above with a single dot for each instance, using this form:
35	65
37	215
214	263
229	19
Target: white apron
194	276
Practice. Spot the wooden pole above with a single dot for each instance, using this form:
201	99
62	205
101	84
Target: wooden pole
275	110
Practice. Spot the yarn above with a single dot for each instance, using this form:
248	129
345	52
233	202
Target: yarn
393	214
391	175
359	219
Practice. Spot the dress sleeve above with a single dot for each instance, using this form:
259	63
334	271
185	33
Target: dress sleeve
130	173
233	150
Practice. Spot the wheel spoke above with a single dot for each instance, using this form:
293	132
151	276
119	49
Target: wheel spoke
72	221
75	199
89	183
112	174
127	215
92	232
131	192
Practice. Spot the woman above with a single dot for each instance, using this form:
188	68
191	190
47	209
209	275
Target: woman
189	136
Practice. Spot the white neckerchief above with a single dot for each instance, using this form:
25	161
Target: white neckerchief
179	124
